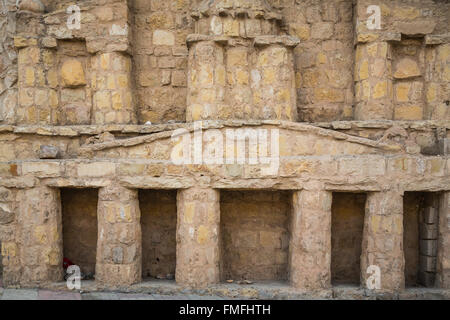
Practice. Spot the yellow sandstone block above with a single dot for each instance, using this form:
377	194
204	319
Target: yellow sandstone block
402	92
364	70
408	113
29	76
189	212
269	75
203	234
380	90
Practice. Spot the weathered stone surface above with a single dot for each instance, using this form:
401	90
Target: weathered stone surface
310	249
86	91
198	237
383	241
32	6
119	213
48	152
163	38
6	214
407	68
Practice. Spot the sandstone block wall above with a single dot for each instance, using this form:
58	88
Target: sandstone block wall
382	240
341	69
356	111
311	239
198	237
119	243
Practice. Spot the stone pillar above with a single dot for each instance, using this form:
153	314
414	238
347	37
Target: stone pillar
39	236
9	259
373	81
119	245
38	102
240	64
198	237
382	245
443	254
206	81
436	80
310	248
111	82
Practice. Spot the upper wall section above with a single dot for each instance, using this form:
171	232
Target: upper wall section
8	61
239	65
402	66
341	69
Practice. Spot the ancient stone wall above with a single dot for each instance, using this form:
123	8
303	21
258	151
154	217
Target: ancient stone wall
160	53
348	109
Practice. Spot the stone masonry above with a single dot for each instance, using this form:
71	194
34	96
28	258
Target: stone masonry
98	98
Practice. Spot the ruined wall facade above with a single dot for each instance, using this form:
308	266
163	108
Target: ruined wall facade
357	119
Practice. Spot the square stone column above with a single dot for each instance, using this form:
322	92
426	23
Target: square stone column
382	247
443	254
119	244
373	81
310	247
39	236
198	228
113	97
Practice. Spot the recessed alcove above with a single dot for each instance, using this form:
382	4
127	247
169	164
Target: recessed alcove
79	220
255	235
347	224
158	225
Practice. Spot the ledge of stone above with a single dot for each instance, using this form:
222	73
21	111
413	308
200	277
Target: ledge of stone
437	38
216	124
384	124
287	41
255	9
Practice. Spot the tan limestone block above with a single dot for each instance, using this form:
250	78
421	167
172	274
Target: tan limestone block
406	68
72	74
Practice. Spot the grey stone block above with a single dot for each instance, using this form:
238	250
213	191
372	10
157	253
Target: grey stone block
428	247
48	152
117	255
428	232
427	263
430	215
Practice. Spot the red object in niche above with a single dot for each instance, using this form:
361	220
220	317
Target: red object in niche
67	263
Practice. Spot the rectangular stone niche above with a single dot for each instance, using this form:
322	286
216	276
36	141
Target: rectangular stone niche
420	223
79	219
347	224
158	225
255	235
